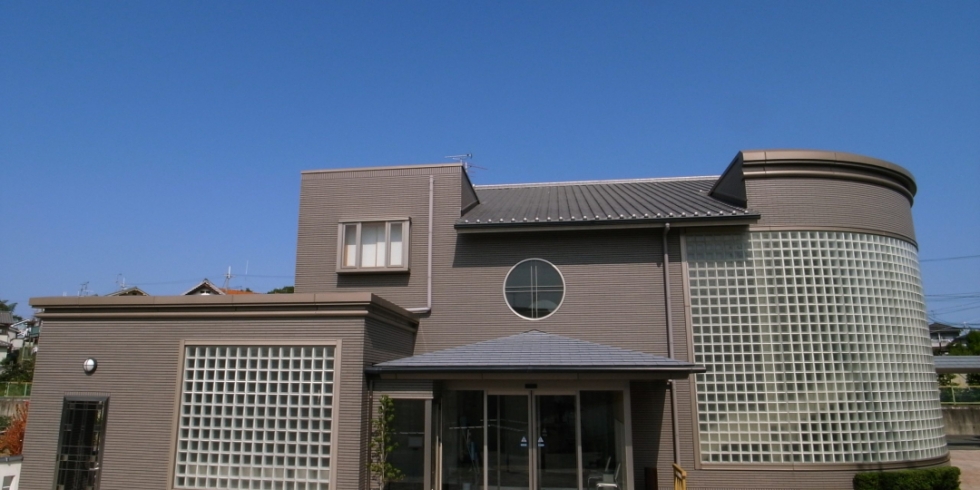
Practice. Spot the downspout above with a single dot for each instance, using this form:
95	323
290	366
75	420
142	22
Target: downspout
428	273
670	349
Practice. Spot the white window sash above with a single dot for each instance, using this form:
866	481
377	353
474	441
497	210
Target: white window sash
381	253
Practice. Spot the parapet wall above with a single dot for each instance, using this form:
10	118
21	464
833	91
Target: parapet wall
962	420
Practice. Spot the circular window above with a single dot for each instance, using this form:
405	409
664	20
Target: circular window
534	289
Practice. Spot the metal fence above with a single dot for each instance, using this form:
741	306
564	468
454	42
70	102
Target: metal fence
959	395
15	389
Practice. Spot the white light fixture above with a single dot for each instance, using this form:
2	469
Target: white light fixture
90	365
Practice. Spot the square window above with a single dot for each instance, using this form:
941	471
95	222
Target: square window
373	246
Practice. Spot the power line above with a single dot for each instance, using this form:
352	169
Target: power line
943	259
954	295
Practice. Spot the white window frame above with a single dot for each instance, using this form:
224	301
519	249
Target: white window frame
342	230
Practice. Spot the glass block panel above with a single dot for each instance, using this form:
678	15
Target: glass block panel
255	417
817	349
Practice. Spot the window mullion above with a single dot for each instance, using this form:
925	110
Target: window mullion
357	248
387	240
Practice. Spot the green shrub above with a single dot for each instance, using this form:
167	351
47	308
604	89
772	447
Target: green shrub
944	478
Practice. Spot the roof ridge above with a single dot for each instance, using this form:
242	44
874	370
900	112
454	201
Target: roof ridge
595	182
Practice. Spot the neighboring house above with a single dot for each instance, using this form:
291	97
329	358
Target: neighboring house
6	319
208	288
7	335
762	329
942	335
130	291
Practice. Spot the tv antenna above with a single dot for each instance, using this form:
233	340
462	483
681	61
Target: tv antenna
85	291
120	281
228	276
465	160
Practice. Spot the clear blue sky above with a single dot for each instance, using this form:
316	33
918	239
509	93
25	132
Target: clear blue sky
163	141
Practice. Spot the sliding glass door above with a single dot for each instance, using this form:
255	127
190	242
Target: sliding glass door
556	442
561	441
508	442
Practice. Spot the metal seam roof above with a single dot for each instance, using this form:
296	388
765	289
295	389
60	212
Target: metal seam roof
577	203
535	350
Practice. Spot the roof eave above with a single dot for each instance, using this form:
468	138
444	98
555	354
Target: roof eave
747	218
686	369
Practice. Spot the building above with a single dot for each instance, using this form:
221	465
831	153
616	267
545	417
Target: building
942	336
206	288
762	329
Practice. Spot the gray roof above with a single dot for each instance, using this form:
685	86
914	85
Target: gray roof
599	203
957	364
6	318
534	351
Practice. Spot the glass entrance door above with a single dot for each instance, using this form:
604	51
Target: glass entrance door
556	447
508	442
531	442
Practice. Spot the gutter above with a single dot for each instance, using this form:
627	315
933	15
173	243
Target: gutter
428	273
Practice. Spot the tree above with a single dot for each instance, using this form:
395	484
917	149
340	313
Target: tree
382	444
967	345
6	305
282	290
945	379
12	440
12	371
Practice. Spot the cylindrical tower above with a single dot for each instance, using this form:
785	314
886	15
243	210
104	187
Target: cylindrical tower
812	321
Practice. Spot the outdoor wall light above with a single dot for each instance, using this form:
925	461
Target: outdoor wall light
90	365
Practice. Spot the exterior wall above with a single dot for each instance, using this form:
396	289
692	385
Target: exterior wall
962	420
139	370
817	204
329	197
603	271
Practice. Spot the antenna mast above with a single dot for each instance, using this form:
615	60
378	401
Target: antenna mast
228	277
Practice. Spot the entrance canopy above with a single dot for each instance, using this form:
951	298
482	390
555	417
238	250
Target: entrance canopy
536	352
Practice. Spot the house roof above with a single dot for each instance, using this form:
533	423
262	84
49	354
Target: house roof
130	291
638	201
206	287
943	328
534	351
6	318
957	364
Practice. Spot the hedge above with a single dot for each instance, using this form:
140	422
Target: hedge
944	478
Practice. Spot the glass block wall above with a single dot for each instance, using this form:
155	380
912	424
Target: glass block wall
255	417
817	349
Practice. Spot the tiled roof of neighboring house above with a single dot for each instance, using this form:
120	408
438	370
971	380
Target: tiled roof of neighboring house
957	364
130	291
6	318
206	287
599	202
534	351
